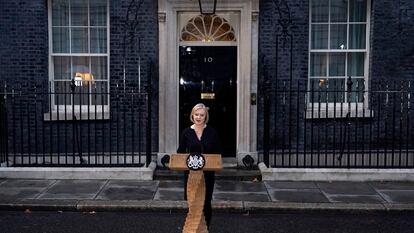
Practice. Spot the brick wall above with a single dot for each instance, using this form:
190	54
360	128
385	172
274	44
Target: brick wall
147	49
24	40
392	39
284	54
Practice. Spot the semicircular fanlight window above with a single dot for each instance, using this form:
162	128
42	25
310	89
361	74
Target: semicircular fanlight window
207	28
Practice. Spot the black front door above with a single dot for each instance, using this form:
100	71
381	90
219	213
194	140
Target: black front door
208	74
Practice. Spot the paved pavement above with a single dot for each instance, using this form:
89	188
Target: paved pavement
229	195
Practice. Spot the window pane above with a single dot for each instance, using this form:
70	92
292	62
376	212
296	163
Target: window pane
97	12
328	72
357	36
319	36
339	10
98	40
357	11
318	64
80	26
357	90
79	12
60	39
356	64
82	95
60	13
320	10
80	65
327	90
318	90
338	36
99	68
99	93
336	87
79	40
62	93
337	64
61	68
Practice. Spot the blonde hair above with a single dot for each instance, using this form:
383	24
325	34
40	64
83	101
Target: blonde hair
197	107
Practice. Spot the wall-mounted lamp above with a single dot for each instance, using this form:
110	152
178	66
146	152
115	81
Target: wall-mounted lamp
207	7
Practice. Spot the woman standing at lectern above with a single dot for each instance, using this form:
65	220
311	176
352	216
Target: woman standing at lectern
201	138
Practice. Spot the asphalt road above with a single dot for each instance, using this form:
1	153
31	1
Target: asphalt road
122	222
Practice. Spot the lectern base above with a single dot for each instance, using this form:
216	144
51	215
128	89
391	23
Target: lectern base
196	191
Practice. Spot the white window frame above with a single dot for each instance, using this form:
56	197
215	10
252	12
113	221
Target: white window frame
339	109
84	111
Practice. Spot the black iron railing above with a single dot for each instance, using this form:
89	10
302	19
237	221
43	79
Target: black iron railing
3	131
339	124
44	125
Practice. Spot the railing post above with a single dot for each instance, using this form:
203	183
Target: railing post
3	128
266	116
75	133
266	130
149	110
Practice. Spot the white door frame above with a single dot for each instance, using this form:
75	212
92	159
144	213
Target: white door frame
247	39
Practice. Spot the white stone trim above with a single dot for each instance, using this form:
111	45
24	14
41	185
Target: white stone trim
335	174
138	173
168	70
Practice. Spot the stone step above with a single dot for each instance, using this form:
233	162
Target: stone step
229	162
228	173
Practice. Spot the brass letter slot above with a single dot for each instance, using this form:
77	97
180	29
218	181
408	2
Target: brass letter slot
207	96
